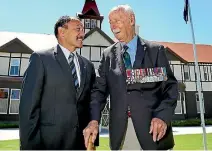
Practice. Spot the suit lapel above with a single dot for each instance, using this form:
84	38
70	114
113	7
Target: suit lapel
83	71
117	51
140	53
60	57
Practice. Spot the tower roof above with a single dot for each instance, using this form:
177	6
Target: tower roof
90	7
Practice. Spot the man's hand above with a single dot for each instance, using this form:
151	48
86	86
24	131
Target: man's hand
91	129
157	129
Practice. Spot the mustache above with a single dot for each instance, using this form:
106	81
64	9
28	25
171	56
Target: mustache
80	37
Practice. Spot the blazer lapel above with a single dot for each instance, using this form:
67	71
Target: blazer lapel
140	53
118	52
83	71
60	57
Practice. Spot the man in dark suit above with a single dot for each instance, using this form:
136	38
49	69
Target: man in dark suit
55	100
143	90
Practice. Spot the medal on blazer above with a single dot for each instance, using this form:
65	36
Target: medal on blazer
146	75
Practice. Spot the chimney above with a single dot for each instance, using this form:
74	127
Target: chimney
137	29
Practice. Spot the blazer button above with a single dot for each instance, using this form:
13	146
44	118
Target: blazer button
76	126
128	92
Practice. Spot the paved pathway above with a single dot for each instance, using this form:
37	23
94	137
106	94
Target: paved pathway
9	134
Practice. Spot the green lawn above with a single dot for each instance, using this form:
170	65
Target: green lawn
183	142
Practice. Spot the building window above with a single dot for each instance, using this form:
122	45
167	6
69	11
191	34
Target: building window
206	73
180	103
211	72
87	23
172	67
93	23
4	93
198	102
95	53
14	101
85	52
14	67
186	73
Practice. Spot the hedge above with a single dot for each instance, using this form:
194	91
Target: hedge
177	123
190	122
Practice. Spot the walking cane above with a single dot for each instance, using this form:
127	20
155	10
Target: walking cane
91	146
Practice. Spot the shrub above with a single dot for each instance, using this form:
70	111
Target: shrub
191	122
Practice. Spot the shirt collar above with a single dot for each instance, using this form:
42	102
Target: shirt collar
132	45
67	52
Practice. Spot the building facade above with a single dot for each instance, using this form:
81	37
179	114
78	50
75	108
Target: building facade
16	48
182	64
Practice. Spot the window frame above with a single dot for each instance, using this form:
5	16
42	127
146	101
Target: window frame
14	99
7	100
18	74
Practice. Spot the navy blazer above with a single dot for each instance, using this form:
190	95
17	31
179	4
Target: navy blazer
52	114
146	100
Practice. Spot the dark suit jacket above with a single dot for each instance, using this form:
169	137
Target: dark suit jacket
147	100
52	114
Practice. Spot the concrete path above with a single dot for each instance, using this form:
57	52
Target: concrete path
9	134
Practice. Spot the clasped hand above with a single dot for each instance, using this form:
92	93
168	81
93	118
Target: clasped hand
91	130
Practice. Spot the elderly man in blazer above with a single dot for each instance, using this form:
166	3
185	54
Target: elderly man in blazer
143	90
55	100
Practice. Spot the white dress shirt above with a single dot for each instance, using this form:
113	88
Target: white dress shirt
76	62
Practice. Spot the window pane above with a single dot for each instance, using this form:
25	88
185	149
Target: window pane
179	94
85	52
178	109
24	65
95	53
87	23
14	101
182	96
93	23
4	92
14	70
186	68
4	65
15	61
15	94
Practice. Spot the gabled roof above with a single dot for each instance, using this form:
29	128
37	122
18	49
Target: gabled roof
101	32
185	51
15	40
34	41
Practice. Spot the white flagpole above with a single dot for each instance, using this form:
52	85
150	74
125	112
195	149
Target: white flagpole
198	80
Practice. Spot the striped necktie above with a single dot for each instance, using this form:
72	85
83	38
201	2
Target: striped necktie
126	56
73	71
128	65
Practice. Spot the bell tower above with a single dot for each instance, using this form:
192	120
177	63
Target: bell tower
90	16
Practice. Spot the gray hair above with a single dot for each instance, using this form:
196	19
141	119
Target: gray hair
125	8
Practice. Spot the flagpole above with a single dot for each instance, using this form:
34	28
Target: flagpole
198	80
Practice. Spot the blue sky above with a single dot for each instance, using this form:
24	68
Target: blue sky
159	20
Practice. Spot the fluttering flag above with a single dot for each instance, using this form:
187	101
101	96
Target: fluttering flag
185	12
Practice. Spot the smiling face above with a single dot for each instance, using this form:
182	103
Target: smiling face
72	35
122	25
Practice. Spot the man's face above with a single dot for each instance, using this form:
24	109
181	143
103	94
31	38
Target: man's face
73	35
121	24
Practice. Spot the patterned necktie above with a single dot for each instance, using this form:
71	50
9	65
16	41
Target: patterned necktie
126	56
73	71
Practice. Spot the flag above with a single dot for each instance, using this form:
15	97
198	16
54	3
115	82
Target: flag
185	12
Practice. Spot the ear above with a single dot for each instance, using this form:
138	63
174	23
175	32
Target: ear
132	19
61	32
